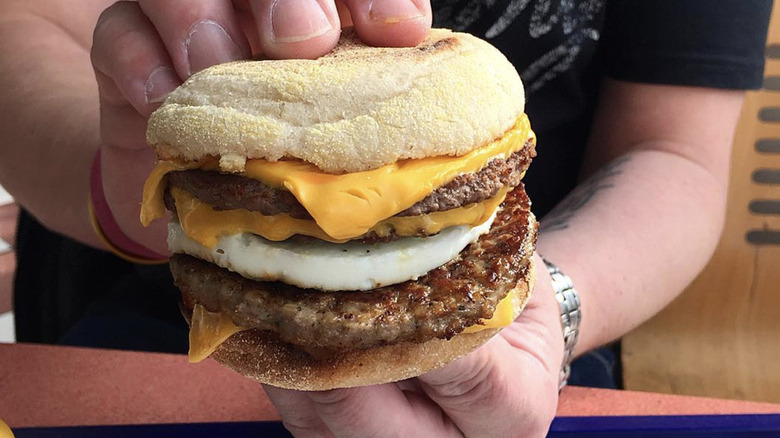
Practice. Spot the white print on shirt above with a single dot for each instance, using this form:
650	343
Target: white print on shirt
512	11
572	21
452	14
569	13
575	20
557	60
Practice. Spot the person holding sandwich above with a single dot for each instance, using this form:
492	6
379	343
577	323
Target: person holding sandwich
634	105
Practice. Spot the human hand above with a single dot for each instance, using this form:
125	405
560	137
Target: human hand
143	50
507	387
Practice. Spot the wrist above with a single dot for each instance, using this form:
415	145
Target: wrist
106	227
570	315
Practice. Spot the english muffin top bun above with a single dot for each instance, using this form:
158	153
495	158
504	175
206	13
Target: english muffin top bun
355	109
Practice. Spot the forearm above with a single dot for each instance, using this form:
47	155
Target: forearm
632	237
46	159
48	119
641	227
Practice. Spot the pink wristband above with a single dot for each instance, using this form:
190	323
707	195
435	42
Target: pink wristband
107	228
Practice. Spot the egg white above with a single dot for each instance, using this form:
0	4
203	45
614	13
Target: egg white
330	266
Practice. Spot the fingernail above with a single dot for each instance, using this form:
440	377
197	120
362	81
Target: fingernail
160	82
393	11
208	44
298	20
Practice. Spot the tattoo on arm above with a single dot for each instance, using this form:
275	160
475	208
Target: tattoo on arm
558	219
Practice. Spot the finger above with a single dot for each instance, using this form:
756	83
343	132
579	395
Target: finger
379	411
130	60
197	33
392	23
360	412
496	378
538	327
124	153
344	17
249	27
297	412
296	28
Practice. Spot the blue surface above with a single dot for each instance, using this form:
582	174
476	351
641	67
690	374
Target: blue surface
715	426
191	430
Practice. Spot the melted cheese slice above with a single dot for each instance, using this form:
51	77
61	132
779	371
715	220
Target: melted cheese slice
206	225
502	316
348	206
208	330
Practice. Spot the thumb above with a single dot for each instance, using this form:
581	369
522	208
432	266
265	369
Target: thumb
498	390
470	391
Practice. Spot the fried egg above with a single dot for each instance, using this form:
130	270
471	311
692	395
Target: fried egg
330	266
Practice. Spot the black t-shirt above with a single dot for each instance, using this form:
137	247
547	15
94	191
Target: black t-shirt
66	292
562	48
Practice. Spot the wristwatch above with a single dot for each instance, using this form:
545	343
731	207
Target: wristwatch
569	302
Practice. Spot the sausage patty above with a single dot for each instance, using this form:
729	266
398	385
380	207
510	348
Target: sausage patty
438	305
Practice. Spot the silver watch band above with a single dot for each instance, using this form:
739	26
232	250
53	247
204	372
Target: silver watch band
569	302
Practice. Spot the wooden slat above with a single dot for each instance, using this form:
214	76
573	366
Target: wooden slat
720	338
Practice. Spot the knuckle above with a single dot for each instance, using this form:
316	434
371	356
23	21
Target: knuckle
339	406
116	35
467	392
179	17
111	16
330	397
473	387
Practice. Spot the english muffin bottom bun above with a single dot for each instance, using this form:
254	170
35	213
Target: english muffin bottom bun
352	220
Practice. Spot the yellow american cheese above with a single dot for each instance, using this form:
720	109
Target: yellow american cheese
206	225
208	330
502	316
347	206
